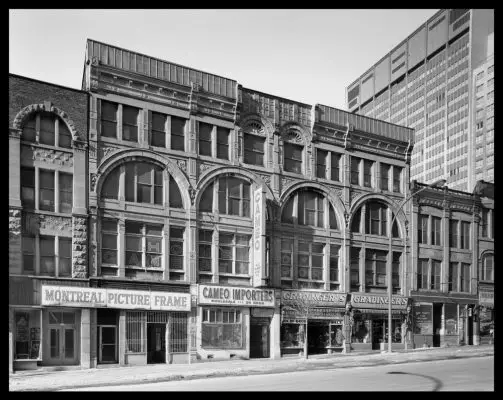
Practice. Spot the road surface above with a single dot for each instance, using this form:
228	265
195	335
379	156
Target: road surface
469	374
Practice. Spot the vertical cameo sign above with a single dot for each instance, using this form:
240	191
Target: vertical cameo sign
258	236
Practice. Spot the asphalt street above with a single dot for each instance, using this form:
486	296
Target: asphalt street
471	374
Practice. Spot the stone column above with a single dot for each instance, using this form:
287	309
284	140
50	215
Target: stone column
15	252
275	334
122	337
85	338
80	177
121	256
93	313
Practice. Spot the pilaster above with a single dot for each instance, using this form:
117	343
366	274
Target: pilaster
14	167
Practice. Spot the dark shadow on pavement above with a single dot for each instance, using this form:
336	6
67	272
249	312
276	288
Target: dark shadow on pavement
438	383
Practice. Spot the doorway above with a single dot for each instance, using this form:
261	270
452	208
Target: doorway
156	343
107	342
259	338
437	323
318	337
62	338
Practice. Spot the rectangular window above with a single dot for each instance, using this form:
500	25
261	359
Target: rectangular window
234	254
158	130
65	257
176	248
109	242
422	274
321	163
47	129
65	192
484	223
47	256
234	197
422	234
143	245
26	335
395	277
222	328
355	268
397	172
367	173
453	277
334	263
130	123
28	249
465	235
335	167
292	158
375	268
178	133
64	135
436	231
205	139
136	337
153	242
205	240
310	261
355	171
108	119
385	169
465	278
435	275
286	258
223	143
453	233
46	181
253	149
134	244
28	187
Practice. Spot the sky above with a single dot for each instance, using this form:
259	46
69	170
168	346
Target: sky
309	56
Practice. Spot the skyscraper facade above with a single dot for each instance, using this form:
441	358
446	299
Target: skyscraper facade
426	83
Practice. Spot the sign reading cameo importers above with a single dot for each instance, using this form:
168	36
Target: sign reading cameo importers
236	296
378	301
71	296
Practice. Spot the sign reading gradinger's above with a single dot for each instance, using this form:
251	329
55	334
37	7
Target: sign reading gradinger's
71	296
236	296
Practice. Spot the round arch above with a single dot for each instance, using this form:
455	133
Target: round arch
252	117
44	107
303	135
126	155
336	203
400	216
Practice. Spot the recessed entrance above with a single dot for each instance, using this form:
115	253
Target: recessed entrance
62	338
156	343
259	338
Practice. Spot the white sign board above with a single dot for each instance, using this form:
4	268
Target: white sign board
236	296
71	296
258	236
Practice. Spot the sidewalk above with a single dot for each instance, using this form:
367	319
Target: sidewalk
57	380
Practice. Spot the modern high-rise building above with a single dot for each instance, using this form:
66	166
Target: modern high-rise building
426	83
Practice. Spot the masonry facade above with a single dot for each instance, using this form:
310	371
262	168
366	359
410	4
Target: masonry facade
221	222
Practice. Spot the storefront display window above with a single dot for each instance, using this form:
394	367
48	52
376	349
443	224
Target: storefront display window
336	335
292	335
27	334
222	328
361	332
451	319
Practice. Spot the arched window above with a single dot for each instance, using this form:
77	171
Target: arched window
46	128
143	184
376	220
487	271
233	196
309	208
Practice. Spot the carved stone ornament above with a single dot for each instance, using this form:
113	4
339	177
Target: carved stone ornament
106	151
293	136
266	178
254	128
285	182
55	223
94	61
48	155
192	194
347	217
203	167
182	164
79	248
93	181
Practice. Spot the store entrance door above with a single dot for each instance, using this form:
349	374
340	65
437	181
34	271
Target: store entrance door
259	338
156	343
107	344
62	338
317	337
437	323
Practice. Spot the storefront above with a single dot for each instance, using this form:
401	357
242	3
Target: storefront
105	326
320	314
443	320
486	313
370	321
236	322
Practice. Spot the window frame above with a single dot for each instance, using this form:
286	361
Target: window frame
290	163
143	236
234	245
134	127
107	120
310	253
253	151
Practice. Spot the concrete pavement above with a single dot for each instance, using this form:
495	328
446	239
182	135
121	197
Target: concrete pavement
75	378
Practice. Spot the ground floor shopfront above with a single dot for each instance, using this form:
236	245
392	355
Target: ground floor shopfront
486	313
444	319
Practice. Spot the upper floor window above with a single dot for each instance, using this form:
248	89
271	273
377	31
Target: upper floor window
328	165
422	234
234	254
28	187
53	254
377	219
292	157
109	237
143	245
205	242
177	131
65	192
144	183
397	174
223	143
355	170
205	131
46	128
436	231
310	260
233	196
484	223
375	268
385	170
459	277
109	119
428	274
453	233
465	235
253	149
355	268
158	134
367	173
487	268
307	207
130	123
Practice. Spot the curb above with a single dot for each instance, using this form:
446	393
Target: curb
254	371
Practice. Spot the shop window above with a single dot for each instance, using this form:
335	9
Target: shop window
334	263
451	318
465	235
130	123
47	256
46	191
205	139
28	188
253	149
286	258
108	119
234	254
487	271
143	245
222	328
135	332
292	158
178	339
310	261
375	268
109	242
223	143
234	196
205	241
27	336
355	170
385	170
436	231
422	234
292	336
453	233
65	192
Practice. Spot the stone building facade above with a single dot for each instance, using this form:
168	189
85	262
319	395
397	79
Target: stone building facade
213	221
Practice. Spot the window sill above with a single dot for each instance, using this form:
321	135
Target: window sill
234	275
48	146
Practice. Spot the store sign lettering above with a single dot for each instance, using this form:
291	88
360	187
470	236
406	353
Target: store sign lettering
486	297
258	236
376	301
316	298
69	296
236	296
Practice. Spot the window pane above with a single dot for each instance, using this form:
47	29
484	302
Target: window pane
177	133
29	133
130	115
65	193
65	137
206	202
175	197
47	129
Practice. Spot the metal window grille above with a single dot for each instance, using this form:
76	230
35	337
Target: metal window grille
178	334
135	332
